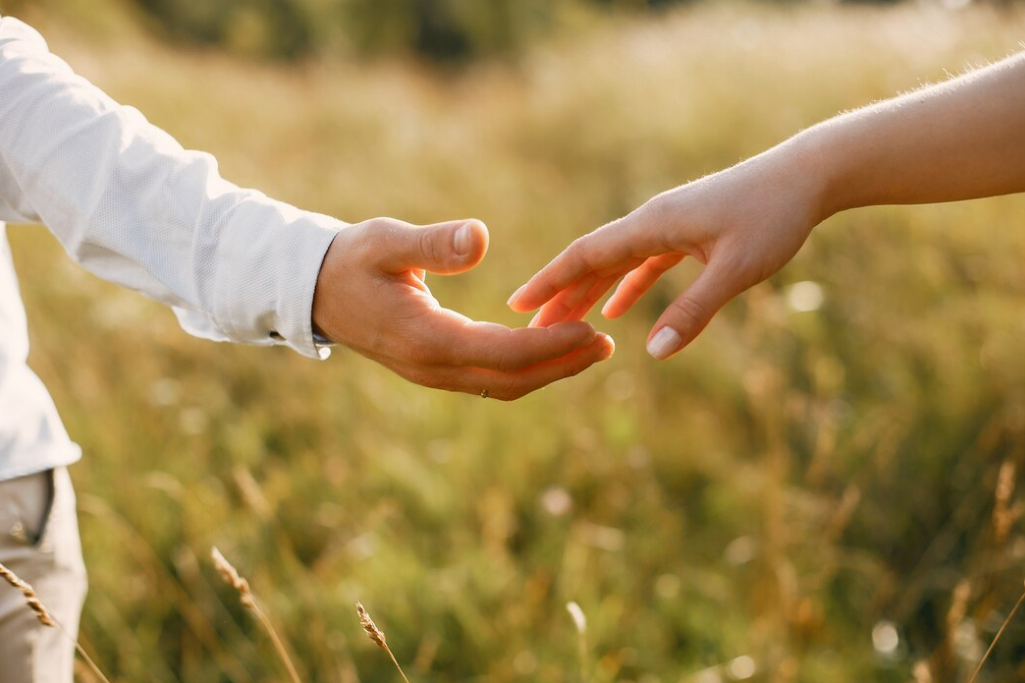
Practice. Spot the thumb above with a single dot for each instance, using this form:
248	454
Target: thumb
688	315
445	248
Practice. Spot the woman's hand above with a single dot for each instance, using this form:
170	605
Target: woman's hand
743	224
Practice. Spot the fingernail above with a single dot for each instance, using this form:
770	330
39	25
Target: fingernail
611	349
463	240
514	295
665	343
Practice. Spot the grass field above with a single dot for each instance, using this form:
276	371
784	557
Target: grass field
798	497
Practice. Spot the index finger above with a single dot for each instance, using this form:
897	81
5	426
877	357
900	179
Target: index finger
507	386
621	243
455	340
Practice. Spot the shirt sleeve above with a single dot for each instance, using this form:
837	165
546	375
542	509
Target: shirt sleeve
134	207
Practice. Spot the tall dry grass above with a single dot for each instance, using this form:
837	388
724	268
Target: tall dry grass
802	492
248	600
377	636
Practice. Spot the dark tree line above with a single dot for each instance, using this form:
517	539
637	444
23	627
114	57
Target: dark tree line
442	30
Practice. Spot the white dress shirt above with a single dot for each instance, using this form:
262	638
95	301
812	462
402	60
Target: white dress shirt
132	206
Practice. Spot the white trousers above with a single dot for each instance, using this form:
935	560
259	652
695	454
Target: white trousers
39	542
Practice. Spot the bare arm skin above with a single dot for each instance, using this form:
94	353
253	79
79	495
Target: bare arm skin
961	139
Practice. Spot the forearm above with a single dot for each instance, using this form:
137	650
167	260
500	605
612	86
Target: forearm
129	203
961	139
958	140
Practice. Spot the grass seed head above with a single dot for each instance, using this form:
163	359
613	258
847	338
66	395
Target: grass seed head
579	619
1004	513
30	596
376	634
232	577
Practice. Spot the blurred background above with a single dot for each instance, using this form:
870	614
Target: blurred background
822	488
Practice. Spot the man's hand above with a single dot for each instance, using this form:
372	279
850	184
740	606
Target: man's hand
372	297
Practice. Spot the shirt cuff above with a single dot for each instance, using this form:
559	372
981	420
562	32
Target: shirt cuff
269	258
299	266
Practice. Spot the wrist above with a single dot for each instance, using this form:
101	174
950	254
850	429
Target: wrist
849	163
808	160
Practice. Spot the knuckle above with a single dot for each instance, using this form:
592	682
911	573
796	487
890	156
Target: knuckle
656	210
657	215
379	223
429	246
548	279
373	236
689	313
579	367
376	228
578	252
504	360
494	354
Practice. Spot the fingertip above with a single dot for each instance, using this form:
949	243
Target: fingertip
480	229
523	299
471	240
512	299
664	343
608	345
611	310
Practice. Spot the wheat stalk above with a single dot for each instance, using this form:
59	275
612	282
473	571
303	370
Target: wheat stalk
996	638
249	601
31	598
580	621
377	635
44	616
1003	511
